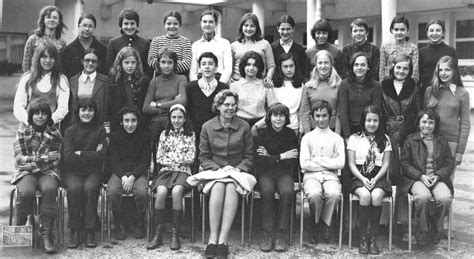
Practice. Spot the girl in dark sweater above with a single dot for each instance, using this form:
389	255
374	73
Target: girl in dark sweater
84	154
130	150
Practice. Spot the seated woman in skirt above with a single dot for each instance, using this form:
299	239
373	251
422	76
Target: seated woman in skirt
175	155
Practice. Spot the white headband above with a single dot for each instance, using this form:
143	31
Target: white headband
180	106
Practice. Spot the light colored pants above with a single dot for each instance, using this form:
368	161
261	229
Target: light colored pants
324	193
423	197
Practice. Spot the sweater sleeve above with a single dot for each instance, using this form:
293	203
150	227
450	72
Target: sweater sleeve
227	60
305	157
305	111
63	100
415	57
153	52
446	169
180	98
28	53
186	55
145	158
98	155
150	97
337	160
115	163
375	62
246	163
193	70
377	95
343	108
464	121
111	53
269	59
383	62
21	100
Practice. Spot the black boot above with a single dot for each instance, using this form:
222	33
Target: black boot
175	244
140	226
157	239
73	240
120	233
364	245
373	248
375	213
21	220
364	212
90	238
46	233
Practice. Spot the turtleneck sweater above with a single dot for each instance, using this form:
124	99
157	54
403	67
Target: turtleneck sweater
90	139
429	56
166	90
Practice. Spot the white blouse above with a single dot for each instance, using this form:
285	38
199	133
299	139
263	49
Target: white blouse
361	144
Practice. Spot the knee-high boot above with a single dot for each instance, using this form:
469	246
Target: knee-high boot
175	244
157	239
46	233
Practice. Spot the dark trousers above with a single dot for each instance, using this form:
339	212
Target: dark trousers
27	187
139	191
283	184
82	198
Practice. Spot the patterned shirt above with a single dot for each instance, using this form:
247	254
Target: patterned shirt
30	145
180	45
174	150
360	144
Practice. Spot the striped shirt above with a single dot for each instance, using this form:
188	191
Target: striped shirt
180	45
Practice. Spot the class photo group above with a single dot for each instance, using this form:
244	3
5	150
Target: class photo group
157	120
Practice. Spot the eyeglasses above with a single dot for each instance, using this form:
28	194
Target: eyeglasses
93	61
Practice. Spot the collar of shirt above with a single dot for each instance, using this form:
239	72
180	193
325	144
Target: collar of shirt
451	87
84	76
202	39
283	44
207	86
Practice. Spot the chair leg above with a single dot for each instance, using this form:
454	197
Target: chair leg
107	206
251	217
192	216
341	221
390	227
409	222
102	214
203	200
450	222
350	221
242	224
12	197
291	223
301	218
150	218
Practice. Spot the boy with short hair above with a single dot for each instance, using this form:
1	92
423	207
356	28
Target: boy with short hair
322	154
201	92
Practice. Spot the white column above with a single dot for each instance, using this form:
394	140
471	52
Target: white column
258	8
389	10
313	13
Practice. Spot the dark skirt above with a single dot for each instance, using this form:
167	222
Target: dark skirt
170	178
382	183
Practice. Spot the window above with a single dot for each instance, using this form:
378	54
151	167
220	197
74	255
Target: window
465	39
422	37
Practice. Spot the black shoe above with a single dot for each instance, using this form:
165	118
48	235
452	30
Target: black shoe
90	239
46	228
267	244
175	244
420	237
120	233
157	239
436	238
222	251
363	246
325	233
211	250
313	232
139	231
280	244
73	240
373	248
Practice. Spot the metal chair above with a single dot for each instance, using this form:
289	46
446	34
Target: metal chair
411	203
37	201
303	198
